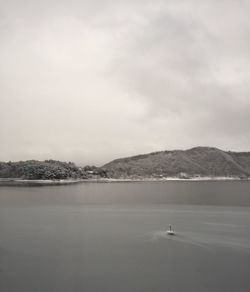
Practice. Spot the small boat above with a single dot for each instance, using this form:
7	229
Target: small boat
170	231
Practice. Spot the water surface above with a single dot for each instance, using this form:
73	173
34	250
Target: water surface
111	237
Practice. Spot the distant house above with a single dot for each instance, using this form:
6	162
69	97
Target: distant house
90	171
183	175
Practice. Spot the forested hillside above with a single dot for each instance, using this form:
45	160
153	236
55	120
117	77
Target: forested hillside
198	161
48	169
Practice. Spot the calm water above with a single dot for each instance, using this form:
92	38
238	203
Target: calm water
111	237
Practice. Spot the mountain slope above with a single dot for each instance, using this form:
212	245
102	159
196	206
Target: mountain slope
198	161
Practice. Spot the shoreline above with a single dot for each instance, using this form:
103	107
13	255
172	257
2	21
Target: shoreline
37	182
178	179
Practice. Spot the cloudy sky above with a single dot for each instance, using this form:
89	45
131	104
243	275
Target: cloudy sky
90	81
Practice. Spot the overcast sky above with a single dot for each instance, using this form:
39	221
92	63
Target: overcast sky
91	81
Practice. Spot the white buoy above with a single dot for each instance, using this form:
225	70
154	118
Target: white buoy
170	230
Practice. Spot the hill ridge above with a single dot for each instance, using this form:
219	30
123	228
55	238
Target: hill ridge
196	161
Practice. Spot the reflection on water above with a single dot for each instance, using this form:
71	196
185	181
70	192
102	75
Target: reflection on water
112	237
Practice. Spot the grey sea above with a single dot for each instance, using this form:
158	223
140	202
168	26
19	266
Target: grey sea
112	237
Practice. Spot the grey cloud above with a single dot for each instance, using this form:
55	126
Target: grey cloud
90	81
179	64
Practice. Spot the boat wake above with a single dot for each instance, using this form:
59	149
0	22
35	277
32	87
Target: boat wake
201	240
